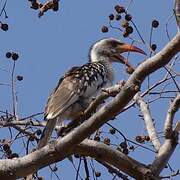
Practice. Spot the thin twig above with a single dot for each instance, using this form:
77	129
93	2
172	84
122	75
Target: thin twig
86	168
78	169
13	89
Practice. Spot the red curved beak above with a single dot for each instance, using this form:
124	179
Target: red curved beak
126	48
130	48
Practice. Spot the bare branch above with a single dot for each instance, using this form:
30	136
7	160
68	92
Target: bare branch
104	153
171	139
164	154
148	121
53	152
175	105
6	123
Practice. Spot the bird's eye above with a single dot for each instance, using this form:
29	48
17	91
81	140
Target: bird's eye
114	44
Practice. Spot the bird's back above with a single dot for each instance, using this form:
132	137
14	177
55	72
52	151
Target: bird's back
76	89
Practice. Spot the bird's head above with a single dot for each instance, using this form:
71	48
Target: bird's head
111	50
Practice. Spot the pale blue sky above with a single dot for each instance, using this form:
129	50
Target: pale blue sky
52	44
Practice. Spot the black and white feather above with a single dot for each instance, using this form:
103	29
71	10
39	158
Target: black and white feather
79	85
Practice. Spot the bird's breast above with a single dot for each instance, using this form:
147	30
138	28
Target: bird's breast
92	77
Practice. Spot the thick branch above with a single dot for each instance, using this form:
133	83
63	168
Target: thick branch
148	121
6	123
164	154
56	152
171	139
175	105
17	168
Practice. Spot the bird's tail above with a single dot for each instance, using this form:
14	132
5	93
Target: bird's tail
51	123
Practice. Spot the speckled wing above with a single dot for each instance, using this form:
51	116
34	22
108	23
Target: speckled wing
63	96
80	83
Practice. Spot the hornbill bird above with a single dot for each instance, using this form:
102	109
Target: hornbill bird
79	85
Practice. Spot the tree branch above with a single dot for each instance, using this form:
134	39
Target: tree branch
16	168
175	105
148	121
62	148
171	139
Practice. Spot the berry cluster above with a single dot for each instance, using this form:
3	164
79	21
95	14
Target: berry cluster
142	139
123	147
117	16
12	55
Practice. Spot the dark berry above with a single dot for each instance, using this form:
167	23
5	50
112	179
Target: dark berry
129	29
104	29
139	139
118	17
123	145
6	147
8	54
54	169
131	148
97	138
125	24
125	151
119	9
4	27
15	56
129	70
55	5
106	141
147	138
98	174
155	23
153	47
76	155
39	132
128	17
111	17
125	34
19	78
112	131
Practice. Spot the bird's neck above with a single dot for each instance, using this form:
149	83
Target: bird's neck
106	62
95	56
